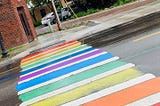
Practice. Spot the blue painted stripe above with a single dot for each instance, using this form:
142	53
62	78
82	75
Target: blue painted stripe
56	61
63	71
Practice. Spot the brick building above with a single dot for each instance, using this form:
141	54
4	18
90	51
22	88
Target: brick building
15	23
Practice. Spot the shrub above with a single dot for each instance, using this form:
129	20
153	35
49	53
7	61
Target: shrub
89	11
37	23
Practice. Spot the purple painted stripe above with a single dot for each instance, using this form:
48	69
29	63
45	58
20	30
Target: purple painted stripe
60	65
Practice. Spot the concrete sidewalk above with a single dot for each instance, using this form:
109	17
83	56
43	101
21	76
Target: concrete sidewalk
135	19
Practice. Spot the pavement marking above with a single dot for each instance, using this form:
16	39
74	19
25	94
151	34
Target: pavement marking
29	57
64	71
53	57
65	76
128	95
49	54
89	88
80	83
56	61
109	90
147	36
157	104
61	65
147	101
102	67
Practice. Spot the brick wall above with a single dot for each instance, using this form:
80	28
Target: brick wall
10	24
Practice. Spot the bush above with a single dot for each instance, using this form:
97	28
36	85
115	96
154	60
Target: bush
121	2
89	11
38	23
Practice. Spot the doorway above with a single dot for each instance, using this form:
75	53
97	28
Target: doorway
24	23
43	12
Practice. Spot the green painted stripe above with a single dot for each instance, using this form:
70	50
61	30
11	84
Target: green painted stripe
70	80
53	57
89	88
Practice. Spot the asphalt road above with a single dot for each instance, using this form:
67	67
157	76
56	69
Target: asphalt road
142	50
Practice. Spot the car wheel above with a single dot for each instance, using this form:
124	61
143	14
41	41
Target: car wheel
45	24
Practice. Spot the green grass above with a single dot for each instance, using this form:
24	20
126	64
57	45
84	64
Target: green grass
122	2
89	11
14	48
38	23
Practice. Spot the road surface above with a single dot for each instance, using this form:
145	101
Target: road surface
143	50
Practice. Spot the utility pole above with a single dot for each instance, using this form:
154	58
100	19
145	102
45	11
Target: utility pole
56	16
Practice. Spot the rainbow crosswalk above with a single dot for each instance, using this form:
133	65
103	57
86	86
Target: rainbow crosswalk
73	74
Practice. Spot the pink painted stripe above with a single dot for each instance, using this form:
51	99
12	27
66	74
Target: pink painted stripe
158	104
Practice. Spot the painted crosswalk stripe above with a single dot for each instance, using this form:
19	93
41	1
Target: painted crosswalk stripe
128	95
61	65
55	61
89	88
68	70
147	101
157	104
108	91
82	80
49	54
54	57
67	75
48	50
81	83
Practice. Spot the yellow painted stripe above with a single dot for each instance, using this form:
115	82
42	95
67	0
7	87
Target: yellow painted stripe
50	54
147	36
90	88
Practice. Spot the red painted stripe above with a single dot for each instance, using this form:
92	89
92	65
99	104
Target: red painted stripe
45	51
158	104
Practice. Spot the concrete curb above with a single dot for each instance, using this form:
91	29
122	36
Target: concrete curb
122	30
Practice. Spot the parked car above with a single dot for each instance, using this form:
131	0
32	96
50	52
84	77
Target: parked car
63	14
49	17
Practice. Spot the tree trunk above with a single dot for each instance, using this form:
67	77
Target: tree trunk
33	15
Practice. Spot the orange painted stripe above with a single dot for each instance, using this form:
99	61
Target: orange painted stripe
39	54
158	104
24	58
128	95
42	51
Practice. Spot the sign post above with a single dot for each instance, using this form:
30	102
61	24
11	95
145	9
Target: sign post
56	15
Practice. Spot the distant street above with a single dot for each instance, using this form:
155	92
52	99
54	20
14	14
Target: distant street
142	50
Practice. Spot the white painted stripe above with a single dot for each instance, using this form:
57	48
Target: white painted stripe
55	63
147	101
67	75
110	90
64	65
23	64
57	57
57	52
52	49
78	84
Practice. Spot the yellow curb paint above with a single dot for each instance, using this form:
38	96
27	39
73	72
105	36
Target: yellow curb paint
47	55
90	88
